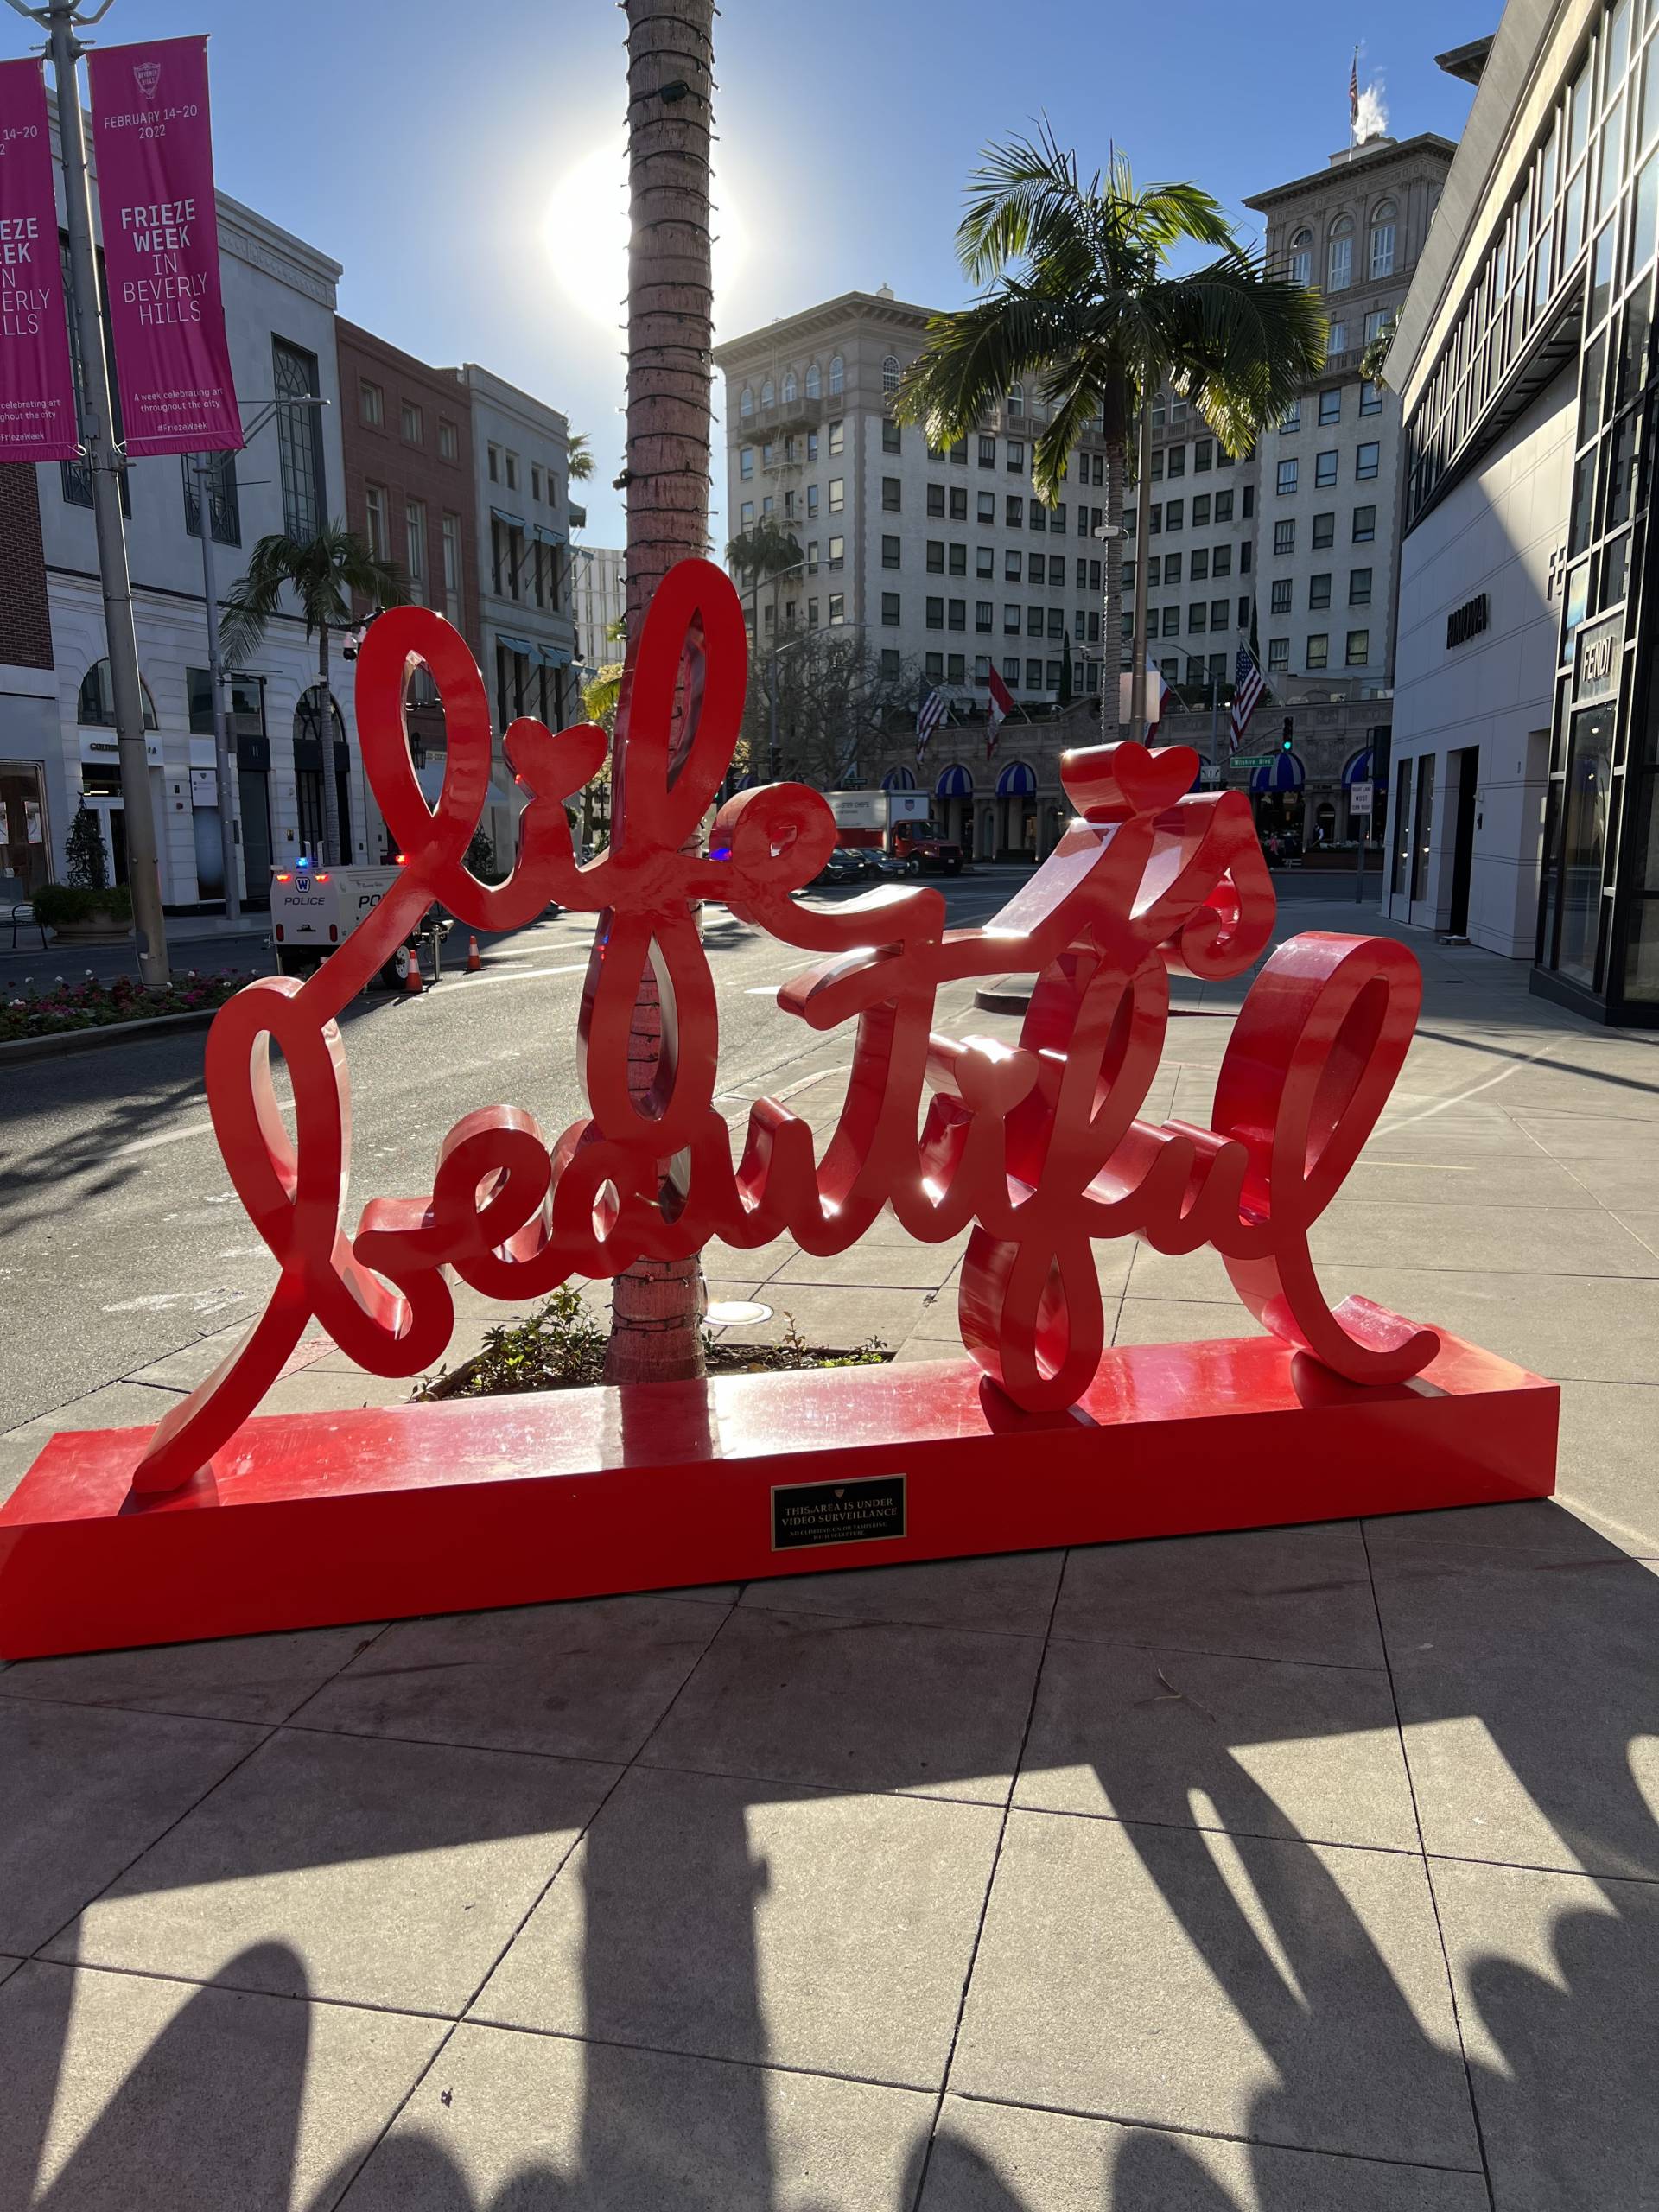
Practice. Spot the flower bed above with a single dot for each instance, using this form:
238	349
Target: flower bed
48	1009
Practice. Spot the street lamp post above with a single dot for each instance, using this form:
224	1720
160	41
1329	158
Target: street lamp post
60	19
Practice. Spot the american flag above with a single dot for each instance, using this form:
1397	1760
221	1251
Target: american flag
1248	689
928	714
1353	95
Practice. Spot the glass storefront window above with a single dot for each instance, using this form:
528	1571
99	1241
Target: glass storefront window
25	853
1423	833
1642	951
1583	838
1401	827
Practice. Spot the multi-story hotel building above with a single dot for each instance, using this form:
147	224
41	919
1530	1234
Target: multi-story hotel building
598	603
1525	794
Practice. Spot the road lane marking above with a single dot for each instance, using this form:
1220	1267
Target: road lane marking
521	976
169	1136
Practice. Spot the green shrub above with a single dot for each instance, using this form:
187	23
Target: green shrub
57	903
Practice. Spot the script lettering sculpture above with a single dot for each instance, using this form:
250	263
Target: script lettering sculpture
1037	1149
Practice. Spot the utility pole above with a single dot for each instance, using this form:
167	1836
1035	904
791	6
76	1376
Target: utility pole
227	837
61	22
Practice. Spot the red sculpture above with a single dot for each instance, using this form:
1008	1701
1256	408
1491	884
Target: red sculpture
217	1525
1038	1147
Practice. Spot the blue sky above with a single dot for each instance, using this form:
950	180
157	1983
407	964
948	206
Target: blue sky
423	143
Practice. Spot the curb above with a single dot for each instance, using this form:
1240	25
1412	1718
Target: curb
1005	997
15	1050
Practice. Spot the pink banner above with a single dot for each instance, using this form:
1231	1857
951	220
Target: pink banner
37	391
154	151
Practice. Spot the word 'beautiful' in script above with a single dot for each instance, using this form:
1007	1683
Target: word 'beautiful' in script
1036	1147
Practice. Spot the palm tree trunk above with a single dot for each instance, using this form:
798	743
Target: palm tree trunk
1142	525
656	1307
1111	616
334	854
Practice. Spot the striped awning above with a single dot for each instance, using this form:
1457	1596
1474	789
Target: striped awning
1284	772
954	782
899	779
1359	770
1017	779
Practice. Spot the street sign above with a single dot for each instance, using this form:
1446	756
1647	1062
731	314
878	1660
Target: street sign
1359	797
1210	775
1250	760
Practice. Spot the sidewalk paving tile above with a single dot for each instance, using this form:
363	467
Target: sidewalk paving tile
854	1705
1558	1991
1588	1328
1300	1593
86	1791
840	1319
998	2158
1528	1699
1171	1321
1256	1746
372	1872
505	2120
121	2092
1530	1180
587	1680
745	1919
260	1678
884	1266
1607	1471
1286	1991
1010	1592
1523	1240
113	1405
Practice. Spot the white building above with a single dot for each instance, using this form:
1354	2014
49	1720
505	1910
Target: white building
525	515
279	301
599	601
1526	781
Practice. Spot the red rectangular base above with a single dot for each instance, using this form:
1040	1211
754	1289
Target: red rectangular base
317	1518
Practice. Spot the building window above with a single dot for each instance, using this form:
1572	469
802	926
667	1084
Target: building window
814	382
1174	513
746	463
1172	622
1325	531
956	669
1203	455
415	540
1377	321
371	404
1013	568
1319	590
1221	561
985	615
511	463
1197	615
889	436
494	454
1284	538
1171	569
890	610
1370	399
837	438
1010	620
890	552
936	500
889	664
745	515
837	381
837	608
987	453
985	560
450	445
1217	614
746	403
1281	602
1287	479
1279	655
935	614
1383	241
838	494
812	502
1336	339
95	708
377	521
1292	417
768	393
837	552
1199	569
1015	515
1330	403
936	556
1016	457
1301	257
1365	525
988	508
890	373
1324	468
451	534
1359	648
1223	507
299	441
959	560
811	447
1033	676
1017	399
1244	553
790	387
1339	261
1366	459
956	615
1318	651
959	503
1175	461
413	424
1359	586
223	508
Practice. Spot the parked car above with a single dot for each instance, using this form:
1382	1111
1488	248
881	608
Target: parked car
845	865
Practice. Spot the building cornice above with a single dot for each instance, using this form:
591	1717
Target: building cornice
789	332
1363	161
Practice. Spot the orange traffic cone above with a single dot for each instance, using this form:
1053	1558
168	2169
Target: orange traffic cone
412	982
474	963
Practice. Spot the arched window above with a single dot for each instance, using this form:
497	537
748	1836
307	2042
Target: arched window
95	709
1382	232
746	403
1016	399
1301	257
837	376
790	388
890	373
814	381
768	393
1339	260
306	716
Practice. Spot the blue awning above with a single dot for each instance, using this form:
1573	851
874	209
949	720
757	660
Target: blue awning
578	515
1016	780
554	656
955	783
502	514
1359	770
515	645
546	537
1284	772
899	779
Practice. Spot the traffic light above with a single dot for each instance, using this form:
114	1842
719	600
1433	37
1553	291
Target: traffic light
1286	741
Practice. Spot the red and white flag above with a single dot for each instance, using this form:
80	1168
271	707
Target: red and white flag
997	713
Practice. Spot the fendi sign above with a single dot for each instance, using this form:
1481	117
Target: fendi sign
1595	674
1466	622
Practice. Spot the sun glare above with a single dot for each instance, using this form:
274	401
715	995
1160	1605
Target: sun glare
587	235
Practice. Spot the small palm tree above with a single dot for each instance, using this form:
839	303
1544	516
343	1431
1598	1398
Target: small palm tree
324	573
578	457
1093	314
1374	361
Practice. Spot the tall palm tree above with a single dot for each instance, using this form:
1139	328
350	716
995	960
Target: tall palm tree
764	554
1080	298
656	1307
578	457
324	573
